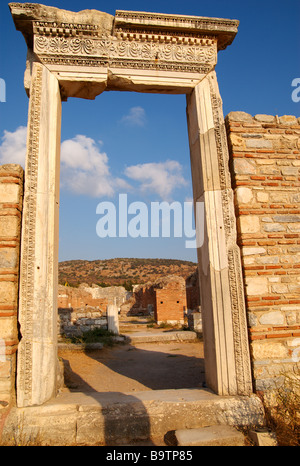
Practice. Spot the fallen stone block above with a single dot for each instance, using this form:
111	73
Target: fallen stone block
263	437
219	435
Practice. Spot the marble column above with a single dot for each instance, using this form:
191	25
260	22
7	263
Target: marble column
113	318
37	351
227	358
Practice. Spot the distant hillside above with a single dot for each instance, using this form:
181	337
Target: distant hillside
121	271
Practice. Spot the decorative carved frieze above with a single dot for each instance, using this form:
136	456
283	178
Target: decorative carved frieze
158	51
160	41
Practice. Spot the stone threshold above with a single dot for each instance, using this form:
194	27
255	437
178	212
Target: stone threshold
162	336
114	418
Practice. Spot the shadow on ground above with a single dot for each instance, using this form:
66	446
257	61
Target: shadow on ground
115	373
140	367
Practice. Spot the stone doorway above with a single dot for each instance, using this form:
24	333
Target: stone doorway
160	363
81	55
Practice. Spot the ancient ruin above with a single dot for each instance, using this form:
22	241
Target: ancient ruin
170	299
81	55
248	269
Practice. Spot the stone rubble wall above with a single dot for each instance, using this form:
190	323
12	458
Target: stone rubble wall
95	296
74	322
11	201
84	308
265	167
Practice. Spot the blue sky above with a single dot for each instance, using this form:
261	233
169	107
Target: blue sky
137	143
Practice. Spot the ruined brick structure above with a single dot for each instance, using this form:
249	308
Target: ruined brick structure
170	303
94	296
84	308
166	299
142	301
193	298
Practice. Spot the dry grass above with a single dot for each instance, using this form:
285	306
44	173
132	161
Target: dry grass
283	414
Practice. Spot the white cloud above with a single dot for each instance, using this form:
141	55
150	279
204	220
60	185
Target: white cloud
135	117
161	178
84	169
13	146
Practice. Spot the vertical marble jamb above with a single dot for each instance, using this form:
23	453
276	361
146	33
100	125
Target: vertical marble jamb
37	352
227	358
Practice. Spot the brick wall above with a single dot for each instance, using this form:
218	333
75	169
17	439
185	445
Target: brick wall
142	301
171	302
11	196
193	291
265	167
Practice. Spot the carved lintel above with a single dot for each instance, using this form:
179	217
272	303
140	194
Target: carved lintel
170	43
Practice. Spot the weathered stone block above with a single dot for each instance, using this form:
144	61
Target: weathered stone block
272	318
243	195
264	118
8	328
262	196
294	227
253	251
9	192
8	258
243	167
288	120
295	197
8	293
287	218
249	224
268	350
273	227
259	144
278	196
5	368
268	260
256	286
210	436
237	141
239	116
279	288
263	438
9	225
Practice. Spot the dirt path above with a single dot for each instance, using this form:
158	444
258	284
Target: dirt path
138	367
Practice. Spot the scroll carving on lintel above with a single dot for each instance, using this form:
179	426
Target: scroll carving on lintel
132	46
